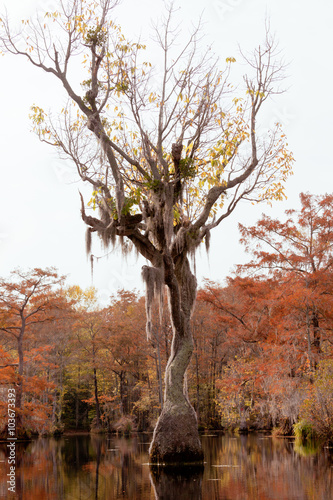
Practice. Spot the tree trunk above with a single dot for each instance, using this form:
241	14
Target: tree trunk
77	400
19	392
316	338
121	388
308	336
198	386
98	411
159	369
176	437
61	393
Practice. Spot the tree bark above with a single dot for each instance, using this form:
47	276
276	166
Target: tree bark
19	392
98	411
159	368
77	400
198	386
316	338
176	437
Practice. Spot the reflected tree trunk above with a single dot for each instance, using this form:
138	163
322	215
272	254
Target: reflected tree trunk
98	460
170	483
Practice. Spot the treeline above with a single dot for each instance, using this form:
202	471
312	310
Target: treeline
263	342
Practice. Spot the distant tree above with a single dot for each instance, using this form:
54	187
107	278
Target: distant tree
125	344
27	299
211	352
57	337
89	331
168	155
299	251
264	376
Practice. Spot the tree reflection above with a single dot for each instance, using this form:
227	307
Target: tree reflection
181	483
97	444
253	467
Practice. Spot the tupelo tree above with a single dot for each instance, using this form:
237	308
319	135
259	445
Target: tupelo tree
169	153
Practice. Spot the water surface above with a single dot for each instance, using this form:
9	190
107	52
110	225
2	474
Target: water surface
253	467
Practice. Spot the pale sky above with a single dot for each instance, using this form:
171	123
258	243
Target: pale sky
40	223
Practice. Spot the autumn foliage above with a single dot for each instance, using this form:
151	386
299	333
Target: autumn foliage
262	342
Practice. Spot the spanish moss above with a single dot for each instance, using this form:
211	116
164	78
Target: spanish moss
154	281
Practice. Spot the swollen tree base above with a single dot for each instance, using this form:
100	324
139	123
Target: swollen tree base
176	438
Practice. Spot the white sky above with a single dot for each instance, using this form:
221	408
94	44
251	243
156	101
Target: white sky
40	223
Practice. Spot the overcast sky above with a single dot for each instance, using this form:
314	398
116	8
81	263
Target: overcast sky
40	222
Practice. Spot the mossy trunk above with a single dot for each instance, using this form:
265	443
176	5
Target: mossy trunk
176	437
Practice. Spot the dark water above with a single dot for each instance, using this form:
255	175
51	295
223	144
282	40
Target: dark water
254	467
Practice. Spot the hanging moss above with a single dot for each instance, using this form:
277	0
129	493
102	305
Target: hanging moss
88	241
153	278
207	240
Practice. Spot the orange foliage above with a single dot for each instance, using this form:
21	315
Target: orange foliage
259	340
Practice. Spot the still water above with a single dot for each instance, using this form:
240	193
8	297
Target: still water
253	467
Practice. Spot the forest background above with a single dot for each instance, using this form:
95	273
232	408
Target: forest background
263	342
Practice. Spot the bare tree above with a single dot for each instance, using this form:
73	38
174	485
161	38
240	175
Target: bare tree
169	154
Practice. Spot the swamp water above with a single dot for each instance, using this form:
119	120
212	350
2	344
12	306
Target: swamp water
252	467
